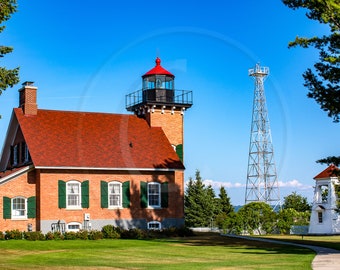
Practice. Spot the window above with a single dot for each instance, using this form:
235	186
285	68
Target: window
15	155
73	194
19	208
115	194
73	227
25	153
154	225
154	194
320	217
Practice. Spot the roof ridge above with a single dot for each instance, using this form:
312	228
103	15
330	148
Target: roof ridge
87	112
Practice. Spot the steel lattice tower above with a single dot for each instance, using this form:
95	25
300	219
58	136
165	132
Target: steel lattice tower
262	183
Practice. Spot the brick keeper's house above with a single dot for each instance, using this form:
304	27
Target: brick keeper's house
66	170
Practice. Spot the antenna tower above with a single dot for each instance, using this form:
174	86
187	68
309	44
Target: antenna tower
262	183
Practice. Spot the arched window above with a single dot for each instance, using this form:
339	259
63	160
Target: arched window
73	227
19	207
115	194
154	225
73	194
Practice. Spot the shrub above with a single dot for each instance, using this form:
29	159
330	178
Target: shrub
111	232
58	236
133	234
185	231
13	234
83	235
34	236
70	235
95	235
49	236
2	236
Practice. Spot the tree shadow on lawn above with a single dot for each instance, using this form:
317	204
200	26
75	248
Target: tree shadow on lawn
215	239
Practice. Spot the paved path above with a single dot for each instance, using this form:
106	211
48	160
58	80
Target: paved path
325	259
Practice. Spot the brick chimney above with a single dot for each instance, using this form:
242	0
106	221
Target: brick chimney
28	98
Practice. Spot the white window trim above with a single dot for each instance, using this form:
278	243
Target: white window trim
23	217
120	195
159	195
72	207
154	223
73	230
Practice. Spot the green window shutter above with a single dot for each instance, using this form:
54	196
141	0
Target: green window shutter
164	195
7	211
144	194
61	194
179	151
31	207
85	194
104	190
126	194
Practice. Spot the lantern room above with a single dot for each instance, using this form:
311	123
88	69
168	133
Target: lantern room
158	77
158	84
158	89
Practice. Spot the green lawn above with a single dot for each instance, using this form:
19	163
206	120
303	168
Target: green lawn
205	251
330	241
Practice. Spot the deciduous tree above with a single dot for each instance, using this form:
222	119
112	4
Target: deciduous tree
257	216
296	202
8	77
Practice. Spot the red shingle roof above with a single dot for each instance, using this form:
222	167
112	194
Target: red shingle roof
95	140
327	173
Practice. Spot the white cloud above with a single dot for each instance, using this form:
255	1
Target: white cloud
218	184
289	184
294	184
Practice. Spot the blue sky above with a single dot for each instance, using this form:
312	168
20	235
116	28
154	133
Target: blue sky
87	55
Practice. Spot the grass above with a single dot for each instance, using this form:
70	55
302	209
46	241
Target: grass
205	251
330	241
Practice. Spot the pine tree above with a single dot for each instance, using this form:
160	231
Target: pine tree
224	210
199	203
224	202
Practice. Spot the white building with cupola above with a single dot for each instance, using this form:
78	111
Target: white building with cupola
325	218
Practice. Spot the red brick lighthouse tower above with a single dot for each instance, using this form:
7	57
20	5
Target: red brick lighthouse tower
161	104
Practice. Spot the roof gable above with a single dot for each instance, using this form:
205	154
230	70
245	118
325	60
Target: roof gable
9	138
327	173
95	140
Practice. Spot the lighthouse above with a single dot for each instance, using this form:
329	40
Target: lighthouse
161	105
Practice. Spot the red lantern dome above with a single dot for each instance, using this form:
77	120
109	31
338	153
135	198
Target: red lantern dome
158	70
